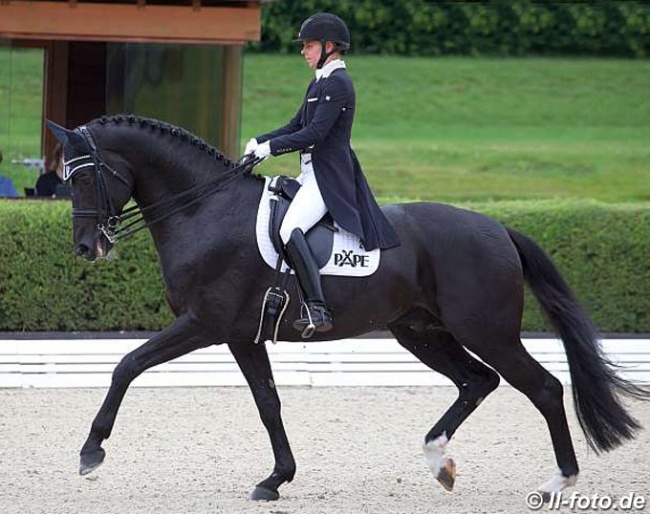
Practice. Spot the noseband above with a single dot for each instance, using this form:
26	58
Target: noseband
109	220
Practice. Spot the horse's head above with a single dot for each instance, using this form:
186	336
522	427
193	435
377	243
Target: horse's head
101	186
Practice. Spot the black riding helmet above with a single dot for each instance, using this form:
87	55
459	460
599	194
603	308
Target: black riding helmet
325	27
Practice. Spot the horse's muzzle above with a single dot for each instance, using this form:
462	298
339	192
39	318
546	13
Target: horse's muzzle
84	251
92	253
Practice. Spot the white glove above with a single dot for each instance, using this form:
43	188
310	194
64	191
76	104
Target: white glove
262	151
250	146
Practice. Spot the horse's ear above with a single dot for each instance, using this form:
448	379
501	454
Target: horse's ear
66	137
61	133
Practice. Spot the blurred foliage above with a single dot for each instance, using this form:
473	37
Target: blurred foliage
43	286
492	27
601	249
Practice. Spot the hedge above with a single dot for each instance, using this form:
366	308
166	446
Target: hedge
492	27
601	249
43	286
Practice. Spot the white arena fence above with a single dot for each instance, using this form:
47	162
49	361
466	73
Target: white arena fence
351	362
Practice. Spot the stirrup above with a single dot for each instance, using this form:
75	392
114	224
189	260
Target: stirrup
307	326
309	329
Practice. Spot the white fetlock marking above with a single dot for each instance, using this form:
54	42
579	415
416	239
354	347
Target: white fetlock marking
557	483
434	451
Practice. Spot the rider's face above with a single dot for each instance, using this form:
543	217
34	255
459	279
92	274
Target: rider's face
311	51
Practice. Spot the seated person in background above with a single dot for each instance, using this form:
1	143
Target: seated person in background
7	188
47	183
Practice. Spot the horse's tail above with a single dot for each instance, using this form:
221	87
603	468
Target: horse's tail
596	386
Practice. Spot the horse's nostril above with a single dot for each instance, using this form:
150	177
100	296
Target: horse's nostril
81	250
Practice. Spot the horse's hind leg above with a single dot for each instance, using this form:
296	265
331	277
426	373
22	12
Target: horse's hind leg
179	339
527	375
253	360
442	353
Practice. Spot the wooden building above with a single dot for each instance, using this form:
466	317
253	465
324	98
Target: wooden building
177	60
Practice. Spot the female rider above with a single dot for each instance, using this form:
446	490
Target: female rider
331	177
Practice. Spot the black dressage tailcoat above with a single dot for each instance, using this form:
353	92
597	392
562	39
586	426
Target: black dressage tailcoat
323	126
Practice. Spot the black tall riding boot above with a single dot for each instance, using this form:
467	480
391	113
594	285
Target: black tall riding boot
318	317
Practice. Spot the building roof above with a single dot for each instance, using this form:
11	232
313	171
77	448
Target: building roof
178	21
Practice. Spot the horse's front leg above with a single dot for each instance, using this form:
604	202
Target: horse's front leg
180	338
254	364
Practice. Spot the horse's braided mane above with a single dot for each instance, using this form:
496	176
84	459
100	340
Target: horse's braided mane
166	128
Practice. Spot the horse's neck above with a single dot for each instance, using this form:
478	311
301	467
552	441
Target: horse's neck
215	223
223	197
159	180
165	167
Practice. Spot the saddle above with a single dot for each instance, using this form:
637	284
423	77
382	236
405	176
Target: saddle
320	237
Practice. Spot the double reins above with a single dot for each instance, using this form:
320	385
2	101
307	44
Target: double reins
168	207
111	223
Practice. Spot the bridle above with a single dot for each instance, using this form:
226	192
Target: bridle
104	212
110	222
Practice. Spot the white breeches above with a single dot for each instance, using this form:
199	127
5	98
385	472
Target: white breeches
307	207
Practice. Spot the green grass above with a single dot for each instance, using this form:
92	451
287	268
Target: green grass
447	129
21	102
458	129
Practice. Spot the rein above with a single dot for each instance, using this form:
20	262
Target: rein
109	223
159	211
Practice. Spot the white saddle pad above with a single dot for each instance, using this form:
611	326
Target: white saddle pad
348	258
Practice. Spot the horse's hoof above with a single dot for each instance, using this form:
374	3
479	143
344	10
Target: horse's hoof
546	496
447	474
263	494
91	461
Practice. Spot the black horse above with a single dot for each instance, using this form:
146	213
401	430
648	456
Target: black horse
456	283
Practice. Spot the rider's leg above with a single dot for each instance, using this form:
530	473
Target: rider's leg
306	209
318	317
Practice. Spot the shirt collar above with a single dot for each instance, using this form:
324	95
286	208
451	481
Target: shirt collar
326	70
